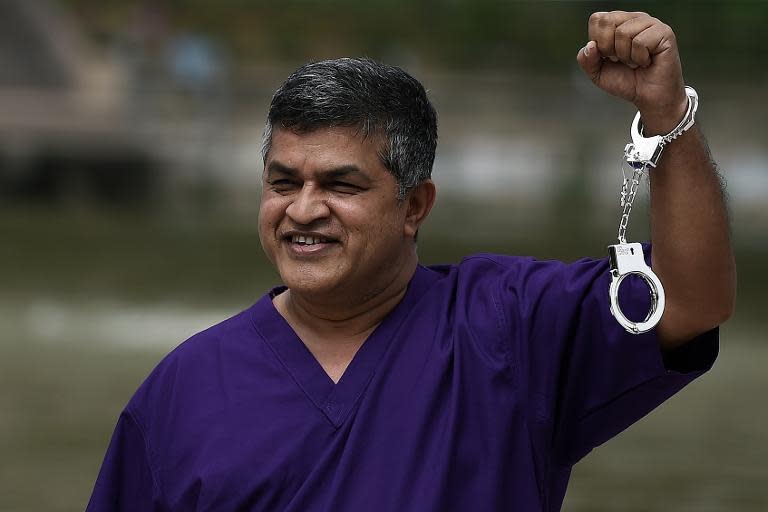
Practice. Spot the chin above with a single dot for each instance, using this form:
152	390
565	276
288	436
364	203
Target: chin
307	280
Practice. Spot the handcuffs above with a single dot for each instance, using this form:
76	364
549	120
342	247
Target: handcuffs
624	258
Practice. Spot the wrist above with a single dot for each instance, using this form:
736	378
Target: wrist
645	150
660	120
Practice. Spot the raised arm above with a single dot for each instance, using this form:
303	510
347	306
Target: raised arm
635	57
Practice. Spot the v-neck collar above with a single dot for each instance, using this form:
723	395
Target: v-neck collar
335	400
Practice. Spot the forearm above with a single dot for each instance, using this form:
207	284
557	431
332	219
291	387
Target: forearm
692	252
635	57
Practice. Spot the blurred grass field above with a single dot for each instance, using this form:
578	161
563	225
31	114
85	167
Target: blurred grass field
61	389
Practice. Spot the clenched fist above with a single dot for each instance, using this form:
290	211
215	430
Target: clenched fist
635	57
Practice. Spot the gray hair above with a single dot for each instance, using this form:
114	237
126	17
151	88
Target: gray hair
381	100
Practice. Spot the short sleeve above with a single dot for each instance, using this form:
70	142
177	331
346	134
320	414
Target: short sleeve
125	481
584	377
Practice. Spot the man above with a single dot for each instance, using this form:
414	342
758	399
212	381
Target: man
369	382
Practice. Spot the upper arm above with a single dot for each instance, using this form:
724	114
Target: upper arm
584	377
126	481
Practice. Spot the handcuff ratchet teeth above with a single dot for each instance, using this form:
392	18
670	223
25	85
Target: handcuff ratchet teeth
642	151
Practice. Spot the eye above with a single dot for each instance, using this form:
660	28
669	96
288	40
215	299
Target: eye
282	185
345	186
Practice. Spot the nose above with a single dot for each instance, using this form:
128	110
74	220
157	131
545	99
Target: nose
308	206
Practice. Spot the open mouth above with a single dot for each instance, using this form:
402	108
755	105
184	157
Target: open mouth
308	240
309	244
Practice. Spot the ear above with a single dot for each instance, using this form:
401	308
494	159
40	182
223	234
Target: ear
419	203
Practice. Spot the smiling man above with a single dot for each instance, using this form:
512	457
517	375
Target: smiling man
370	382
342	236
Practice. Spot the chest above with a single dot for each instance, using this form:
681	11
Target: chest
332	353
432	428
333	358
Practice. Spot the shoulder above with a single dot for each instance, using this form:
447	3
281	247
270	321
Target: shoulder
482	265
201	345
485	286
524	287
186	372
510	270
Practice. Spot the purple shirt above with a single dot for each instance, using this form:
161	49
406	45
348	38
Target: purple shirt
479	391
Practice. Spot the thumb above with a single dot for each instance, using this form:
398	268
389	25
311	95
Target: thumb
590	60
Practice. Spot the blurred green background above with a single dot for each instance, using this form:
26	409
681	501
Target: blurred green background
129	185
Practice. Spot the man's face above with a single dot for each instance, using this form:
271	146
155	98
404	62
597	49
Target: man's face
329	219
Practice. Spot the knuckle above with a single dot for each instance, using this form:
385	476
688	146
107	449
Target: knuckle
668	30
600	19
604	21
621	33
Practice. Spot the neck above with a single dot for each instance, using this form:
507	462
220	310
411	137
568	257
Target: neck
345	315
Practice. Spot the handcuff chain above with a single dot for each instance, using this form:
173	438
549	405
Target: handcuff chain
627	199
625	259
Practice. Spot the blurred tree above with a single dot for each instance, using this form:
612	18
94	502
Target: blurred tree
455	34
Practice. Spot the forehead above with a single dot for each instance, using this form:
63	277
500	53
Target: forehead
325	148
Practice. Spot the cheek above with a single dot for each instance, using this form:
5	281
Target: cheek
348	212
270	213
370	222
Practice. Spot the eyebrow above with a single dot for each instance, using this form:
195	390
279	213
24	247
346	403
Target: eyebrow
341	171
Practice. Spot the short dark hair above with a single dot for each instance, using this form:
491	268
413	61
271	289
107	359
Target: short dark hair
381	100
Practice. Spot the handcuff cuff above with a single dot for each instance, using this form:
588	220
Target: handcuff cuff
627	259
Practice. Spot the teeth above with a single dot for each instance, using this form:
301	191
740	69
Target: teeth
308	240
